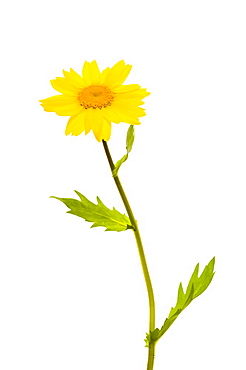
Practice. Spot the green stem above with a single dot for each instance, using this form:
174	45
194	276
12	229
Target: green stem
141	254
151	356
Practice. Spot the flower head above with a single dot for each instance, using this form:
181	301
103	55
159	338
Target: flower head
96	99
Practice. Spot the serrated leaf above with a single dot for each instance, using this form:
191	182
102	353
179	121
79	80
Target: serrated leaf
99	214
129	144
196	286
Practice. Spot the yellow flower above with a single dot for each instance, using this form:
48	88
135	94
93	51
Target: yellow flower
96	99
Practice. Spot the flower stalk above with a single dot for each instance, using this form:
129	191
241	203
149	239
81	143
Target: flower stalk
141	255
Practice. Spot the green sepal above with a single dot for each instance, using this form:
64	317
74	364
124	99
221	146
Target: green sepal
99	214
129	143
196	286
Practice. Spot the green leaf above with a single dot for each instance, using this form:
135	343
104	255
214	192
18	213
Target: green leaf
196	286
129	144
99	214
118	165
130	138
147	340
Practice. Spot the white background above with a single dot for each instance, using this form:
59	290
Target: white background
72	297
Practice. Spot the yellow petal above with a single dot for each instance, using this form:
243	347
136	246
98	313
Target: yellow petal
75	125
111	115
104	74
140	93
106	130
74	79
69	126
68	110
117	74
63	86
91	73
128	109
85	72
134	101
63	105
97	123
88	120
58	100
126	88
117	115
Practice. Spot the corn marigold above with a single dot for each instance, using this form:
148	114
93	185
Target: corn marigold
96	99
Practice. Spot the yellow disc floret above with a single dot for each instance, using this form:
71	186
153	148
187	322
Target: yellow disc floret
95	96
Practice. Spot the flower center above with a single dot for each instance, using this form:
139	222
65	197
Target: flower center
95	97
